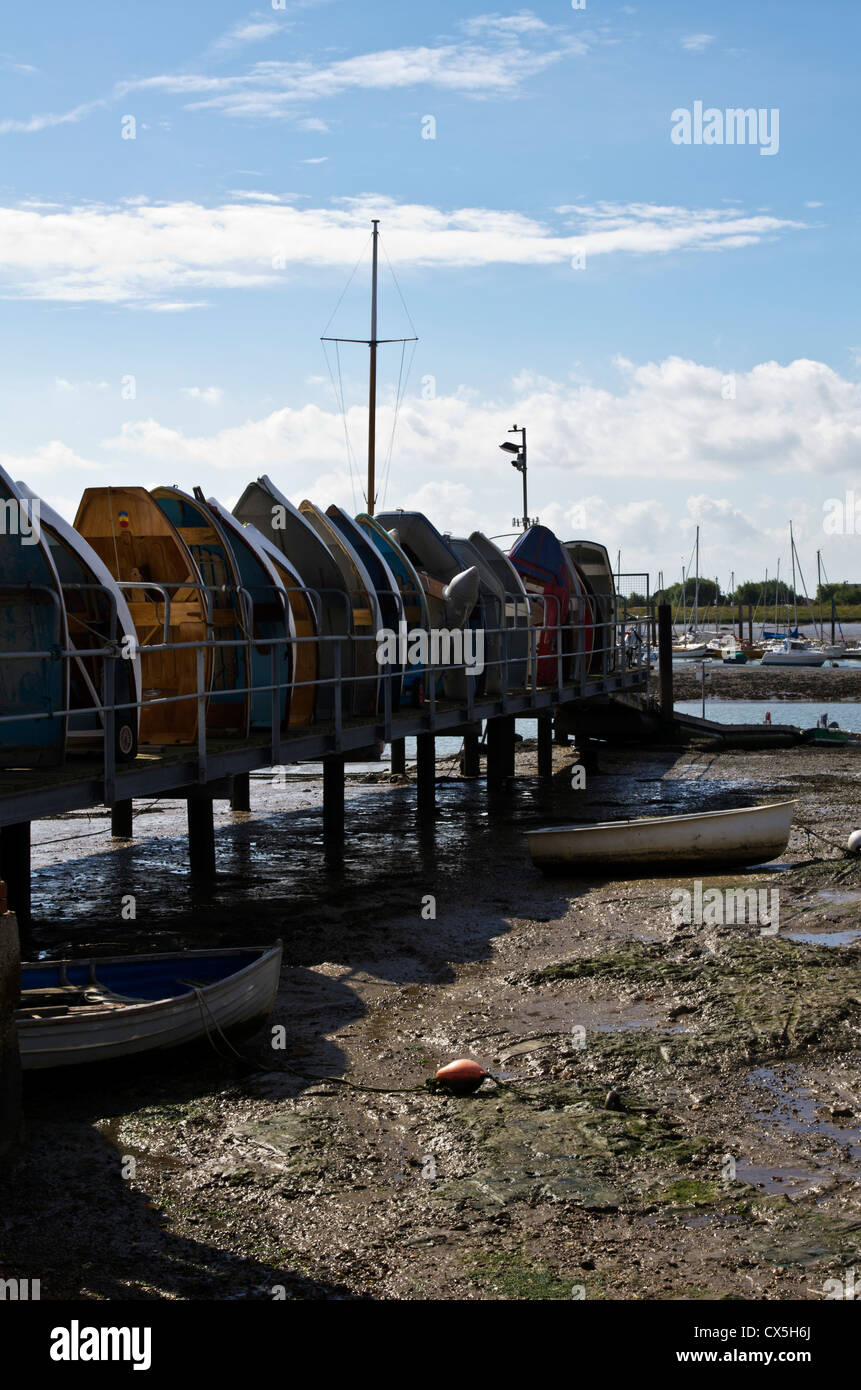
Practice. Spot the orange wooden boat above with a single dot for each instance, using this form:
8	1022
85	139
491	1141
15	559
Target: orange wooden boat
145	553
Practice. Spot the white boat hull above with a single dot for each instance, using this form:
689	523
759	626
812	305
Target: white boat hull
793	658
749	835
693	653
95	1035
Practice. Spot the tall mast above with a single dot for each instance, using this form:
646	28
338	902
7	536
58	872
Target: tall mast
794	595
372	383
819	591
697	587
372	343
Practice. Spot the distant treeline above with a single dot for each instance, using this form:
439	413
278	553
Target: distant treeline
753	591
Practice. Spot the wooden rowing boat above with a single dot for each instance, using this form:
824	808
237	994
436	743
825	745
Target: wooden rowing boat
452	592
267	616
32	621
146	554
745	835
265	507
303	690
413	598
364	608
81	1011
228	710
97	616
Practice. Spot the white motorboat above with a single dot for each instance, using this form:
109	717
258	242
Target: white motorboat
793	652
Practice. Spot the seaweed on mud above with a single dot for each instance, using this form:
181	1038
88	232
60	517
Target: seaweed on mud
758	996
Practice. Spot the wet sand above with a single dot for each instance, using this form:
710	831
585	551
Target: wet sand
680	1115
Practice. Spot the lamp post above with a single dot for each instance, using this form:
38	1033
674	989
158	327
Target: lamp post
519	462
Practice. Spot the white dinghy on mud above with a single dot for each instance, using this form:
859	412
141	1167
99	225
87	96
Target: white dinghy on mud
746	835
79	1011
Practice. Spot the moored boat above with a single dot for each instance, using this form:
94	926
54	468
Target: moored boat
34	670
264	506
165	595
228	710
267	616
97	615
81	1011
744	835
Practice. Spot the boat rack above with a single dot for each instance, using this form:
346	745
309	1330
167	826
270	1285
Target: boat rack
217	767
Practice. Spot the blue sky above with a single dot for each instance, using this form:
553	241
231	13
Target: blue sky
701	364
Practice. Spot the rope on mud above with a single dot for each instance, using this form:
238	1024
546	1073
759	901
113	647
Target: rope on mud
431	1085
817	834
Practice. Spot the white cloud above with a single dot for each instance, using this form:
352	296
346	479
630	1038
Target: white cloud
54	458
646	460
163	255
210	395
697	43
75	386
48	119
514	49
524	22
667	421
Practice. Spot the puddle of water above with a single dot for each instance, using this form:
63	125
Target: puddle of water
840	895
824	938
794	1109
777	1179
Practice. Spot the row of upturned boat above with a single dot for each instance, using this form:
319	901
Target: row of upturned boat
269	614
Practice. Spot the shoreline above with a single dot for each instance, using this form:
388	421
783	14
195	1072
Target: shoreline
836	685
714	1040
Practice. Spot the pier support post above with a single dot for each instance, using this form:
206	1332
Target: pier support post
500	750
15	868
333	805
399	756
545	746
750	624
240	792
10	1065
426	774
122	820
201	836
665	659
740	621
470	761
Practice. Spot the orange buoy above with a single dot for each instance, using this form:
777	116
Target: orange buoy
461	1077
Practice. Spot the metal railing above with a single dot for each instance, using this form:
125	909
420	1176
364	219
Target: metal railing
581	659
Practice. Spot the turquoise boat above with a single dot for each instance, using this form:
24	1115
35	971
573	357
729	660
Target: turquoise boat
268	617
34	639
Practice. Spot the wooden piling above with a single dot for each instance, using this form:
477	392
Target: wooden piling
201	836
545	746
470	762
500	750
426	773
122	820
10	1066
333	804
399	756
15	868
665	659
240	792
